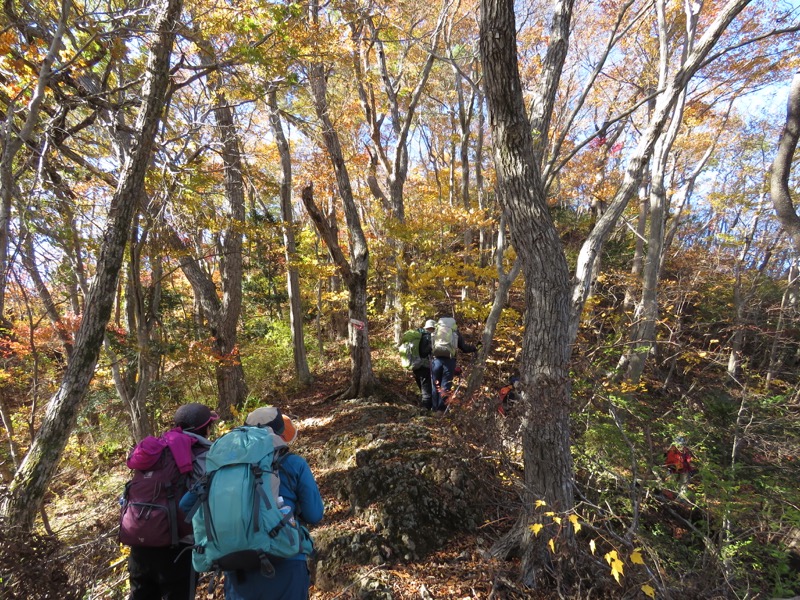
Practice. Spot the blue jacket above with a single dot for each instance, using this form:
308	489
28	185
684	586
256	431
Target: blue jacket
299	489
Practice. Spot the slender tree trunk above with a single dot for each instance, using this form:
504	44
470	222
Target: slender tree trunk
782	167
485	234
12	144
739	302
646	314
465	112
354	273
142	305
287	221
639	158
28	256
787	304
27	490
8	426
504	283
395	164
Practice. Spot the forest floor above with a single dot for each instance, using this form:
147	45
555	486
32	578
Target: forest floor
83	513
460	570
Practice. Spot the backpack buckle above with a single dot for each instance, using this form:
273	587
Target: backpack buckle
267	569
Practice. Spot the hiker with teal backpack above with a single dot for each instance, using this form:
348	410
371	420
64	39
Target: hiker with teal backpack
415	353
151	522
249	512
446	342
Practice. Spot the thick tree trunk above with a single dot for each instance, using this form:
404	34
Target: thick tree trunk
637	263
544	368
231	385
27	490
362	379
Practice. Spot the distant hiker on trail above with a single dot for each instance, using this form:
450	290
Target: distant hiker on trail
151	522
680	460
248	512
415	354
446	341
507	395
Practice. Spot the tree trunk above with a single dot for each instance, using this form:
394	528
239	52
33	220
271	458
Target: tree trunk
222	315
396	165
504	283
643	340
784	207
287	222
739	299
637	263
28	257
639	157
544	369
782	167
354	273
231	385
13	143
465	112
362	379
27	490
787	304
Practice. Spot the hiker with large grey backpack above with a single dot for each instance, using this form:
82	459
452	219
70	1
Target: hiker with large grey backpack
415	355
250	510
151	521
446	341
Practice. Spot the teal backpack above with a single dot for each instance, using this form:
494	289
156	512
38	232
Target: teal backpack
409	349
240	521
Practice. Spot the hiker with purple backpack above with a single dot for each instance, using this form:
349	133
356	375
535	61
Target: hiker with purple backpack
151	521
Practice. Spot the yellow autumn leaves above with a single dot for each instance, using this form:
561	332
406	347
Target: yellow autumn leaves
612	557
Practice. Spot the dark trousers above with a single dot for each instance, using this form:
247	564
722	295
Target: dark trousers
291	582
161	573
442	371
423	378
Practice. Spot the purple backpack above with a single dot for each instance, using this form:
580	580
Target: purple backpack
150	514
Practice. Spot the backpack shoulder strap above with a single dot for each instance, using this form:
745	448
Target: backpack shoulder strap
281	453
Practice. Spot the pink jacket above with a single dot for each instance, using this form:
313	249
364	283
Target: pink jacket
148	451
